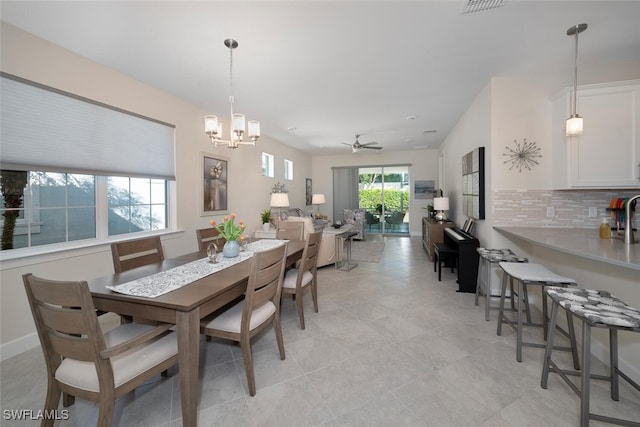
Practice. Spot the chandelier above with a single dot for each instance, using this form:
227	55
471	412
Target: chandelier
213	127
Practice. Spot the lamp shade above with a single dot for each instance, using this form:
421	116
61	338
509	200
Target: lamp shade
318	199
441	203
279	200
574	125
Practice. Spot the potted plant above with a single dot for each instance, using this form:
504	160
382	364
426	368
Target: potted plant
231	232
266	219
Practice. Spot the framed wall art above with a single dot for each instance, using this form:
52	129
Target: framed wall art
309	193
423	189
473	184
215	175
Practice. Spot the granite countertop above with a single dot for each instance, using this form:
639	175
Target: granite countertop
583	242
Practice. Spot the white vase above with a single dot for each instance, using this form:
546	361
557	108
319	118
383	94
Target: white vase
231	249
266	226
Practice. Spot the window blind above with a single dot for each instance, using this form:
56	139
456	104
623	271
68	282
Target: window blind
46	129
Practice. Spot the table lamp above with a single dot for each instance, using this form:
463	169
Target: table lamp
441	204
279	200
318	199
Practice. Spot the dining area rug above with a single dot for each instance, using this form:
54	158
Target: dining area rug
368	250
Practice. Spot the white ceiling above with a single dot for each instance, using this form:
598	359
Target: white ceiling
334	69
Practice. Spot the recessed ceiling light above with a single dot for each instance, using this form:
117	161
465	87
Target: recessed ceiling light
409	140
411	117
291	128
430	131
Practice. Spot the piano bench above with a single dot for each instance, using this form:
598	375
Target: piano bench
442	253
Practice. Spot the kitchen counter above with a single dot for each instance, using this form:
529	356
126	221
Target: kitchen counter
582	242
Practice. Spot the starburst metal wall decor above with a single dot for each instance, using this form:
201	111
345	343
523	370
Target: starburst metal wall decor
523	156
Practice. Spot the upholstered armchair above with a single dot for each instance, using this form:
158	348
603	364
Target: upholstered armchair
357	218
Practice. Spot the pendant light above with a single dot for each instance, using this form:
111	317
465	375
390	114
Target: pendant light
213	127
574	122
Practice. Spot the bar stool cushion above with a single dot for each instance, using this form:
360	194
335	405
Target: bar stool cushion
599	308
499	255
487	259
528	272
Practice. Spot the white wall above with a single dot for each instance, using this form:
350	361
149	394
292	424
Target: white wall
472	131
508	109
424	166
34	59
518	112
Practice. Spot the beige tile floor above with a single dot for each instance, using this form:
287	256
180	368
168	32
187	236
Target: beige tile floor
391	346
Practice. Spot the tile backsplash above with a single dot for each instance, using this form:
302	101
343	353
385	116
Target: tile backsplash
570	208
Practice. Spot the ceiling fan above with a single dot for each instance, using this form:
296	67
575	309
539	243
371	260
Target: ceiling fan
357	146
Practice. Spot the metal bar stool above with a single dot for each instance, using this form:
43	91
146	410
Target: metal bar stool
597	309
533	274
489	258
441	253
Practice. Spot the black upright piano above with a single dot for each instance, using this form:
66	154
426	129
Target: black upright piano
467	257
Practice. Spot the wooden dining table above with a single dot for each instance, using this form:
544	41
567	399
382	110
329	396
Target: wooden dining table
183	307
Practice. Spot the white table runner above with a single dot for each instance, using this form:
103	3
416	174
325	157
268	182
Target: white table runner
169	280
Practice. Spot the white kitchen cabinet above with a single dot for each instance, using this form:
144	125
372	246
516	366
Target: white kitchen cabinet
607	154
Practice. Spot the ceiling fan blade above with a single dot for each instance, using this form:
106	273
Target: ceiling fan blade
371	148
368	143
344	143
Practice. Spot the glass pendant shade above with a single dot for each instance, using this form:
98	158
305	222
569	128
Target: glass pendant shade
574	125
254	128
238	123
211	125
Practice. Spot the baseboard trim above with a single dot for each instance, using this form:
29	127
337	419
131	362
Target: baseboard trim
19	345
601	353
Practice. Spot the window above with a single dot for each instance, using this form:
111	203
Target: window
91	171
288	169
136	204
267	165
63	207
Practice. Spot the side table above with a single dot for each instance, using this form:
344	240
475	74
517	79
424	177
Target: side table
341	239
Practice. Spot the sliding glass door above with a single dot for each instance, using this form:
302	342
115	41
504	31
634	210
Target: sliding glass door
383	192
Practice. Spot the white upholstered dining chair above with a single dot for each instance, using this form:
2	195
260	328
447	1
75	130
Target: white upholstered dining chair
84	362
259	308
303	278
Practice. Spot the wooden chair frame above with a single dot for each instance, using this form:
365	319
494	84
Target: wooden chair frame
68	328
209	235
136	253
264	287
290	230
308	263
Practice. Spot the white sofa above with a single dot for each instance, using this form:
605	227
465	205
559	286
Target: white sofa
327	254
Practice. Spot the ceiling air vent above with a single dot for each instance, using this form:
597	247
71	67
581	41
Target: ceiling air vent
471	6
